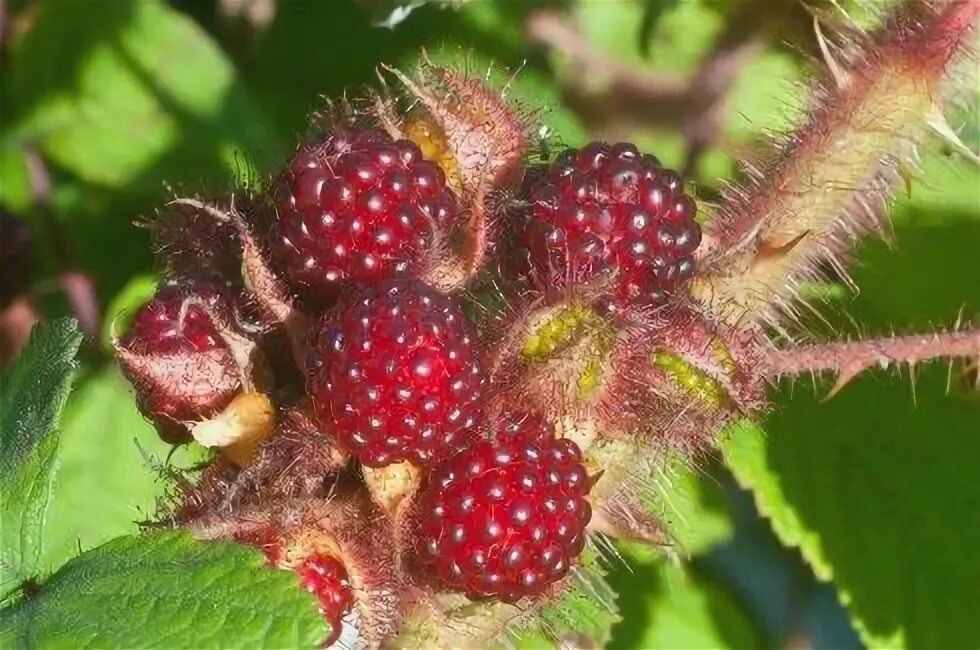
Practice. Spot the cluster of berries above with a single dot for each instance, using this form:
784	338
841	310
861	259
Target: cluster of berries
395	371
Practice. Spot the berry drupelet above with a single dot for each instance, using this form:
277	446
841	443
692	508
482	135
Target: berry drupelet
505	518
358	207
394	373
170	323
610	208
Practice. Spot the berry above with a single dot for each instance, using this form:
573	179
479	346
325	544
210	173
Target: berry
358	207
394	373
181	367
609	208
168	324
325	576
506	517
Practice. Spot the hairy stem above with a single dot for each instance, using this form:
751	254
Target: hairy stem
851	358
829	182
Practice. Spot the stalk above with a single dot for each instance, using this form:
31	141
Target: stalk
829	182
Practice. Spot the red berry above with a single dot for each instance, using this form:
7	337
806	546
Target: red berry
358	207
325	576
181	367
506	517
609	208
395	374
169	323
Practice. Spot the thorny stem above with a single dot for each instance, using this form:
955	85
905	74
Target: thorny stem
851	358
830	181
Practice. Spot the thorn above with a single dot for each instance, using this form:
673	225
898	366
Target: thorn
937	121
840	77
915	401
843	379
513	76
768	250
223	217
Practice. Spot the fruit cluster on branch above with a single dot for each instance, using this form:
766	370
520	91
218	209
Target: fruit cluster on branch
436	369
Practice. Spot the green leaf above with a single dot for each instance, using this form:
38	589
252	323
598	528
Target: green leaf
129	94
102	428
33	391
15	185
669	605
880	502
876	487
166	590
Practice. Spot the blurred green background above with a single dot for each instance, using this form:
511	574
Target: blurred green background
870	501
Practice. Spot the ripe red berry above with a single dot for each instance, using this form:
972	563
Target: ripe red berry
610	208
394	373
181	367
325	576
358	207
506	517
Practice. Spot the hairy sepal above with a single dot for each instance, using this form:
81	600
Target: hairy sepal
671	375
297	460
638	391
192	245
200	384
275	304
829	182
554	357
477	137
